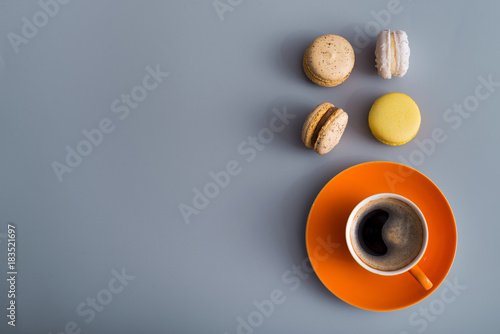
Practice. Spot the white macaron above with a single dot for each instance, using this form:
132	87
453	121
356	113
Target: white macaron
392	53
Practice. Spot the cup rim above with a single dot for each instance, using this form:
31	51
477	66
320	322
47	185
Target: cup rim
419	213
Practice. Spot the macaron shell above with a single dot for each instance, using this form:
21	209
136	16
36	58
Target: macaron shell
316	79
329	136
402	53
394	119
383	54
329	60
311	122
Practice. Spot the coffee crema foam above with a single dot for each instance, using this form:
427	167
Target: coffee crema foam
402	233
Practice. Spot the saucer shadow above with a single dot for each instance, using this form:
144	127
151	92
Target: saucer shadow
297	203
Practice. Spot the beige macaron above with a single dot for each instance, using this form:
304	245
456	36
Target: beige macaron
329	60
324	127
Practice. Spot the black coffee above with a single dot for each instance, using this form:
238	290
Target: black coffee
387	234
370	232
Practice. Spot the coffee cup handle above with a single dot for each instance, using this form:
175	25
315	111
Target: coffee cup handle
420	277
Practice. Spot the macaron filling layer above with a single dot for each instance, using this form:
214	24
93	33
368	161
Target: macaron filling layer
322	122
392	53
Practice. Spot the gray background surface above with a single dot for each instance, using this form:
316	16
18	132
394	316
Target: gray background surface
118	210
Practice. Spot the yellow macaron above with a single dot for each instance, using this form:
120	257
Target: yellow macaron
329	60
394	119
324	127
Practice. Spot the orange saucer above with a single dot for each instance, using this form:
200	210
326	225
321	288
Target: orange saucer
326	244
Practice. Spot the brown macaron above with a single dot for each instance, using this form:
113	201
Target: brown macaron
324	127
